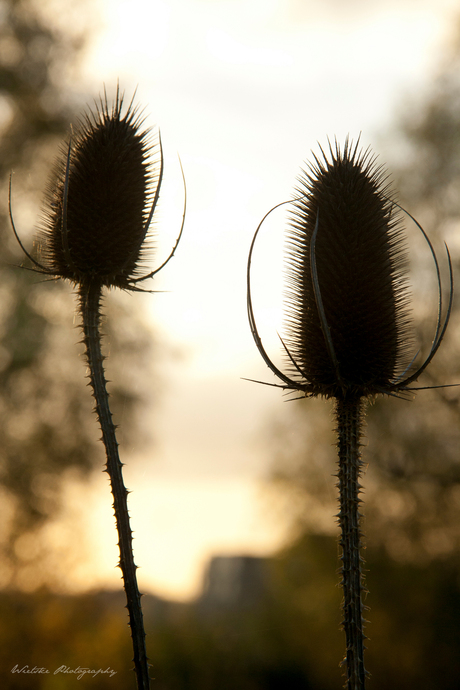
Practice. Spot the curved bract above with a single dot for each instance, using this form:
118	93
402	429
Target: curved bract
101	201
98	210
347	298
348	332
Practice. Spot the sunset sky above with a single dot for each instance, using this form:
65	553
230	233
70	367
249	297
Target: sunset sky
243	90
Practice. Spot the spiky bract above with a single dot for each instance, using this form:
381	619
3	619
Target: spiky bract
348	328
98	203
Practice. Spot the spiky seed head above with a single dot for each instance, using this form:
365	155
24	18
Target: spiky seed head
348	328
98	201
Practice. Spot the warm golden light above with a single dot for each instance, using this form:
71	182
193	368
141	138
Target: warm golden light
243	90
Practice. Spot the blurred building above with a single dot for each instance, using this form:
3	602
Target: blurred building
235	581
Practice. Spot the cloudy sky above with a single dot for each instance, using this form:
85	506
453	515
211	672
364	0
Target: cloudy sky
243	90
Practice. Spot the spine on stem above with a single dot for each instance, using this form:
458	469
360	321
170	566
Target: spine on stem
349	415
90	302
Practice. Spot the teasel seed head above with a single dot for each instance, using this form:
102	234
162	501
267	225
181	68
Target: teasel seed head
361	275
348	326
101	200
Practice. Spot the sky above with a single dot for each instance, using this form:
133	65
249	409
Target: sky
243	90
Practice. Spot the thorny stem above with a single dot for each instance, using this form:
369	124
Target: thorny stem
349	414
90	301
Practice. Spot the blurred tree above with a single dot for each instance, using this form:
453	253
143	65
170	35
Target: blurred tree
47	427
288	637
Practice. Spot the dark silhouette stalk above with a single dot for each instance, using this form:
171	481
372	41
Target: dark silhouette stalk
349	415
98	209
90	294
348	329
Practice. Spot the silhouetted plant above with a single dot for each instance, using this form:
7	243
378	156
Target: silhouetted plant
348	328
98	210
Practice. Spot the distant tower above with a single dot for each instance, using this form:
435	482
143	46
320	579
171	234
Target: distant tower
235	581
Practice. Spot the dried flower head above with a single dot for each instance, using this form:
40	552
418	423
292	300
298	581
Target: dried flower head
101	200
98	209
347	298
348	333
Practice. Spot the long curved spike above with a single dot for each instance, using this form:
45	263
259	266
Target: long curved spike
157	190
426	388
440	332
173	251
319	303
35	270
252	323
384	391
401	376
134	288
435	260
302	373
43	269
266	383
299	397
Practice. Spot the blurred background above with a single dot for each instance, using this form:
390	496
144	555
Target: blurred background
233	494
